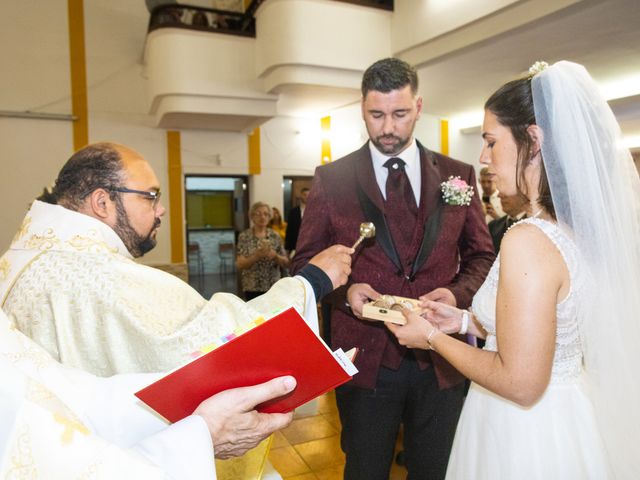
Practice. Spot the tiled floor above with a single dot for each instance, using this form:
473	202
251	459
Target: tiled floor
209	284
309	448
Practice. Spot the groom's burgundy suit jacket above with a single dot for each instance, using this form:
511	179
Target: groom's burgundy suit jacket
452	248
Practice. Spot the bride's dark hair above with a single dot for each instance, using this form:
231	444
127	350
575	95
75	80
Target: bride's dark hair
512	104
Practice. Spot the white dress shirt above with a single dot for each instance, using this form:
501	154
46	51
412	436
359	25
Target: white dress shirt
411	157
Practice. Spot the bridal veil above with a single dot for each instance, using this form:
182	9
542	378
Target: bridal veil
596	195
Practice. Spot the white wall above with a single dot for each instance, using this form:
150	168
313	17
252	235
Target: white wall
214	153
32	153
315	33
199	63
35	53
115	32
36	76
36	73
418	21
428	131
289	147
33	40
348	131
465	146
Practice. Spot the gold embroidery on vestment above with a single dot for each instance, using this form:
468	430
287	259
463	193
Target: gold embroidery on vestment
5	266
43	242
70	427
24	228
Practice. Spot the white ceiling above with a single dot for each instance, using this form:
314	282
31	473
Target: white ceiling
602	35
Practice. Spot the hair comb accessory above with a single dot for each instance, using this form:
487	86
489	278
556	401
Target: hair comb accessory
537	67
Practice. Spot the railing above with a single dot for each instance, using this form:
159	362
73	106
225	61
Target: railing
205	19
383	4
222	21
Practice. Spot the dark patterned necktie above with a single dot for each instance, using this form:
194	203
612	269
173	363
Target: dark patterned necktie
400	206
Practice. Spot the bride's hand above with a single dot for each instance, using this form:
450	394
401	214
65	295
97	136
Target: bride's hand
446	318
415	333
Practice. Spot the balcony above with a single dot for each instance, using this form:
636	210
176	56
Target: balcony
219	70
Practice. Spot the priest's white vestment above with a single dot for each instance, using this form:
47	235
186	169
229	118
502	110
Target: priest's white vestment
69	283
61	423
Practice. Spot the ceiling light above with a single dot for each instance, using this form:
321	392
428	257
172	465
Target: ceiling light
632	141
621	87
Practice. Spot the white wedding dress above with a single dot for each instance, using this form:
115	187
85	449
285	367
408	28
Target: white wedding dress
558	437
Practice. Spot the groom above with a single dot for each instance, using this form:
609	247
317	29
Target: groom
423	247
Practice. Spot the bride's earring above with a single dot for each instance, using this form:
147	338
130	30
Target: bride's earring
536	137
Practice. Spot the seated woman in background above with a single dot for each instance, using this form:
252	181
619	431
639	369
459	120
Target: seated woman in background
277	224
260	253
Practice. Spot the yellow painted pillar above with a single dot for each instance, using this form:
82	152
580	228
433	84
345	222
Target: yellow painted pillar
174	157
77	62
444	137
253	140
325	126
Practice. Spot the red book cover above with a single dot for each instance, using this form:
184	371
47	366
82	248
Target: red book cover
282	345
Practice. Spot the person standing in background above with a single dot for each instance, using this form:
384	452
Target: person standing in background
277	224
490	199
260	254
423	247
514	207
294	222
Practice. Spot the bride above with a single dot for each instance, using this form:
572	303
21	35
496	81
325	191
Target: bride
554	393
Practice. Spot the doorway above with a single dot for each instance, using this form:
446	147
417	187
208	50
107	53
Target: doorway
216	212
291	187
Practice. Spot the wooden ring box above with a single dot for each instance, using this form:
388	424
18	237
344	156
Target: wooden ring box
380	311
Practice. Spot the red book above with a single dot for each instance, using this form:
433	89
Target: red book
282	345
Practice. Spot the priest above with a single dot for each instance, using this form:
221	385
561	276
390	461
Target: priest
64	423
69	280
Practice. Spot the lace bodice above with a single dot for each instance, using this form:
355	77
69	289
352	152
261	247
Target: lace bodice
567	361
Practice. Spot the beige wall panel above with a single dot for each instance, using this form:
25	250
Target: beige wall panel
32	153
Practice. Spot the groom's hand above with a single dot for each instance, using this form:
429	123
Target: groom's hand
359	294
442	295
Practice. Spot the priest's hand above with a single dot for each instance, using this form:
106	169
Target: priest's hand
359	294
233	422
335	261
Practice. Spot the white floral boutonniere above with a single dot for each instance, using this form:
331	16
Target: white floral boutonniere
456	191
